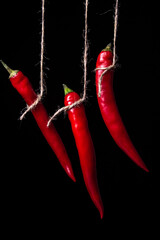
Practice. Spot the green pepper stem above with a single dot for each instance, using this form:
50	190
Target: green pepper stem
9	70
108	47
66	90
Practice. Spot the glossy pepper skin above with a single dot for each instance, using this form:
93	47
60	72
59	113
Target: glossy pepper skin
109	109
84	146
22	85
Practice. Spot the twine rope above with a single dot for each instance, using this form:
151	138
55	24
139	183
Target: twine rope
81	100
39	96
114	50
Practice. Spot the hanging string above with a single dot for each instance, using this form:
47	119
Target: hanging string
114	50
39	97
81	100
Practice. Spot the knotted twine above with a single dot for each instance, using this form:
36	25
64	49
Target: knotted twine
81	100
39	96
106	69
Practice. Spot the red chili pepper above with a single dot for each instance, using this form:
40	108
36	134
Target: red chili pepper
22	85
109	109
85	146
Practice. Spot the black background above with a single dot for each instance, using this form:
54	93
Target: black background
36	193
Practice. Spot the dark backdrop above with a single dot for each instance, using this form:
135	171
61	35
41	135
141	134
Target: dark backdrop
35	191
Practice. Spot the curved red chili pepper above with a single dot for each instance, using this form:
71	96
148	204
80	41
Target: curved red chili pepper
85	146
22	85
109	109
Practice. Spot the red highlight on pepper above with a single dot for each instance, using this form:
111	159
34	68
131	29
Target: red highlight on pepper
21	83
